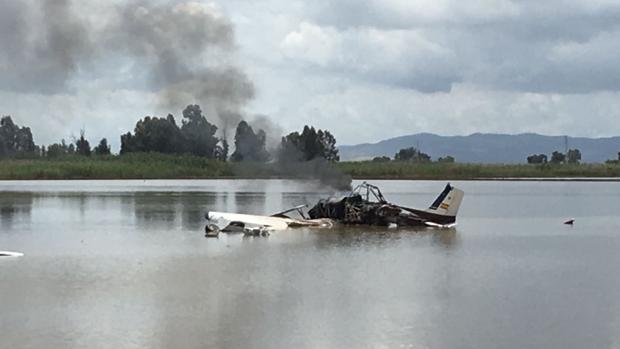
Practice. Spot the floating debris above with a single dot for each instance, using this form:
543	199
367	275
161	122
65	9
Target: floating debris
212	231
10	254
258	231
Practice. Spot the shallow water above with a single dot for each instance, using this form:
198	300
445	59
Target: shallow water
125	264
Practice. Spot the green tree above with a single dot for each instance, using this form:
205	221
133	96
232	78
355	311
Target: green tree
196	136
54	150
411	154
328	145
381	159
249	146
199	133
310	144
82	147
573	156
103	148
15	140
57	149
447	159
537	159
153	134
557	157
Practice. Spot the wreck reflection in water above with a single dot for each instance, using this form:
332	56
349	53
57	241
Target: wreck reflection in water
125	264
356	236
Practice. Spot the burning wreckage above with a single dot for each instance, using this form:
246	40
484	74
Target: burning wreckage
365	205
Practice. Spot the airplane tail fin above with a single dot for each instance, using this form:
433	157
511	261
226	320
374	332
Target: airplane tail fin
448	202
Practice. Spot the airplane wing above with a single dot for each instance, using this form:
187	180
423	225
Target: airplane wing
225	220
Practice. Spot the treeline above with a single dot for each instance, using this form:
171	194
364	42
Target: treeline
412	154
572	156
194	135
17	142
81	147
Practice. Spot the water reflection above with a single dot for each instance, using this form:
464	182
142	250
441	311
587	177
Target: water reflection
155	209
193	208
14	207
447	238
356	236
250	203
130	268
169	210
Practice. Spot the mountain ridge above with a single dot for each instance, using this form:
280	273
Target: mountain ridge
487	147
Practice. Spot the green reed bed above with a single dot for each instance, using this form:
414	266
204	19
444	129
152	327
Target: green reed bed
130	166
162	166
410	170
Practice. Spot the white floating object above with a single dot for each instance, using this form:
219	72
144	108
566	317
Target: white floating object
228	221
440	226
10	254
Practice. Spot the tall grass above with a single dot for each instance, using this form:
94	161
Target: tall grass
129	166
410	170
162	166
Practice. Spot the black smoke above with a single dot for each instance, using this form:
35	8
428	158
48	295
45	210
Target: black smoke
183	52
43	45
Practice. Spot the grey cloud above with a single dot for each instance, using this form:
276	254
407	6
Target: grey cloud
427	77
400	58
114	69
513	50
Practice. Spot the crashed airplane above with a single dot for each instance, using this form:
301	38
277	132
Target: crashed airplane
365	205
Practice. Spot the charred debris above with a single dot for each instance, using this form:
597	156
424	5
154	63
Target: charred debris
367	205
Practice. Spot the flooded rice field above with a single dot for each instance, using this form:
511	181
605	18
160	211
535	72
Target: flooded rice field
126	264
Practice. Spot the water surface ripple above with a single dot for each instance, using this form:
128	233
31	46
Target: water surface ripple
125	264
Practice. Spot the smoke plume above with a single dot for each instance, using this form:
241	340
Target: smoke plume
184	52
187	52
43	45
273	131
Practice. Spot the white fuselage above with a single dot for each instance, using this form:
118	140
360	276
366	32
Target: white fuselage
275	223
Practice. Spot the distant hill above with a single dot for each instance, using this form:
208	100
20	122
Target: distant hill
486	148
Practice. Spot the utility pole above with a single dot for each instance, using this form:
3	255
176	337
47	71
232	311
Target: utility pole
565	149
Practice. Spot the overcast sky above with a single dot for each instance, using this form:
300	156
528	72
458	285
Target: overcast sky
366	70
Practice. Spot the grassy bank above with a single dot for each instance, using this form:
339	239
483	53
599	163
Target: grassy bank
161	166
130	166
456	171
